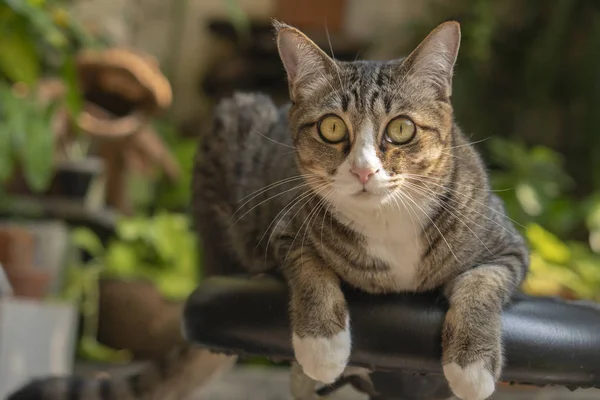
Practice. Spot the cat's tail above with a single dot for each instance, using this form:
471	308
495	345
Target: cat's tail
181	372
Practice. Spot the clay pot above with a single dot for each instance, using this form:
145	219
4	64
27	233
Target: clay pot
17	249
29	282
133	315
73	178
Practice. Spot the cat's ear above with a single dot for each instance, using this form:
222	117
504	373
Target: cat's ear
305	63
434	58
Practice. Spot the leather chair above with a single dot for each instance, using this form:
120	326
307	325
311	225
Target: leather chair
397	337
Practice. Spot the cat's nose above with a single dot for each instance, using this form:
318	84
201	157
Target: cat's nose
364	174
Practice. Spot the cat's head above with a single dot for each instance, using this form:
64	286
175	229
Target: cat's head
362	128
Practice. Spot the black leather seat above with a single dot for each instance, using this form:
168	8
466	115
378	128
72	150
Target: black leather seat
547	341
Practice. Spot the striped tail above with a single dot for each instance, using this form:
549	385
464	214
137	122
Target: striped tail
173	377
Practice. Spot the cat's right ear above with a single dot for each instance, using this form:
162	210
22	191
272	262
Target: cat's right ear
433	60
305	63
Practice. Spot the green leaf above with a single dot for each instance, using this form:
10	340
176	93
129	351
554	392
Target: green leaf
16	115
91	349
174	286
39	20
73	96
529	199
6	156
550	247
132	228
19	59
37	155
87	240
122	260
169	230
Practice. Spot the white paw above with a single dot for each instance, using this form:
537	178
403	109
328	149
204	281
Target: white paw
323	359
473	382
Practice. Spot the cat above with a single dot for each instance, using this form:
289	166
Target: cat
363	178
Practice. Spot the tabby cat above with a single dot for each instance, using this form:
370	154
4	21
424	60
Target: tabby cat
363	178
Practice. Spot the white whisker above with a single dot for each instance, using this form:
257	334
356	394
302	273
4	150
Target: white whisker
273	140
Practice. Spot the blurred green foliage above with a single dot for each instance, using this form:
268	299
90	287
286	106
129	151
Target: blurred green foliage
538	195
37	38
26	139
160	248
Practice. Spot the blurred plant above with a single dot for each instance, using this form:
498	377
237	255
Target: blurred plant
37	37
161	249
533	184
593	221
536	194
26	138
568	269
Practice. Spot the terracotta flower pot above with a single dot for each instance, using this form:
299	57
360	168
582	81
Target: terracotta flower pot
17	249
133	315
29	282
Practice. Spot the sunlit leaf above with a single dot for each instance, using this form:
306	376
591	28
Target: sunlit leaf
593	217
132	228
19	59
91	349
549	246
87	240
39	20
529	199
122	260
175	286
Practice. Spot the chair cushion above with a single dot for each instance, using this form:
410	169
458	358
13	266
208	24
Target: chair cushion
547	341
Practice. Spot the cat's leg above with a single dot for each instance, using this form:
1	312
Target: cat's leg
471	340
320	320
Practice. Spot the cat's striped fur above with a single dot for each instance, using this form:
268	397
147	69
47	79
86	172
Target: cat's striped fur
269	192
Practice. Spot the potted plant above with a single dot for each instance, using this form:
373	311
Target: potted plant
39	89
139	279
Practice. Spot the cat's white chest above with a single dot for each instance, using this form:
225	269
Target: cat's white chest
396	243
393	237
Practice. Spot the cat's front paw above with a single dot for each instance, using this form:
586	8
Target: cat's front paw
323	359
471	382
472	358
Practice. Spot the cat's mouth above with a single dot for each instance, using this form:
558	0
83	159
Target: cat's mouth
363	193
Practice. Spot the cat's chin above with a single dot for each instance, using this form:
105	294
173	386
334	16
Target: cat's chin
368	195
365	194
368	198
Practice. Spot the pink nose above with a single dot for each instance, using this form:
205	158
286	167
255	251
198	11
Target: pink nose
363	174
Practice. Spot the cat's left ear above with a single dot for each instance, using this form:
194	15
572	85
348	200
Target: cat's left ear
433	60
307	66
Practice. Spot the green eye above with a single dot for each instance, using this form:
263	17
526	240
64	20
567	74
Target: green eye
400	131
332	129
